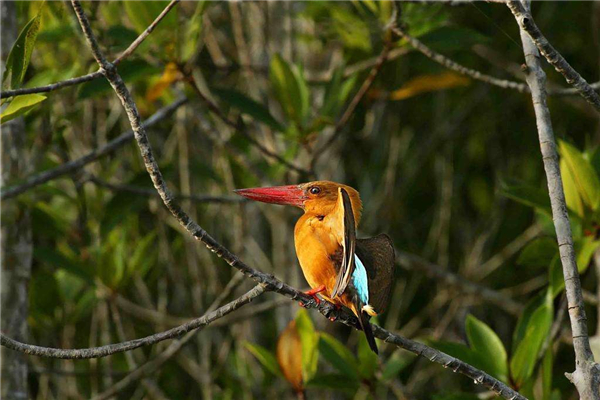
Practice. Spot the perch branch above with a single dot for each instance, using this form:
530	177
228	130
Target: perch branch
586	377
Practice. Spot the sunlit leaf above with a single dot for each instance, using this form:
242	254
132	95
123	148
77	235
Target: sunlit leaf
170	75
310	341
584	177
20	105
20	54
428	83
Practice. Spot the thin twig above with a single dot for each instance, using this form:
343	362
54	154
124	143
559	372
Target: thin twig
68	167
93	75
527	25
197	198
134	45
586	377
103	351
272	283
174	347
472	73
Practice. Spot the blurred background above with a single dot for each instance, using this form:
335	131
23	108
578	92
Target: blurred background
448	166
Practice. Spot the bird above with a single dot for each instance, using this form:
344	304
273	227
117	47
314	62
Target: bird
346	271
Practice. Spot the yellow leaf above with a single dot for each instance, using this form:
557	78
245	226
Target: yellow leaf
171	74
429	83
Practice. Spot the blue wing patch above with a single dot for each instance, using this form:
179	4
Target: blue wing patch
360	281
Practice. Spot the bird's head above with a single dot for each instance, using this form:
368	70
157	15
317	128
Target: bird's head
318	197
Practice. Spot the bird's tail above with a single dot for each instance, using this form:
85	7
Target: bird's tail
363	319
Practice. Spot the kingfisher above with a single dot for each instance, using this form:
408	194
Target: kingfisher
346	271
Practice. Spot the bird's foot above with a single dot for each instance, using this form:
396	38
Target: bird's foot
313	293
334	317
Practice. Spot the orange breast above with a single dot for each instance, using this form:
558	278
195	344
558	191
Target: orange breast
314	244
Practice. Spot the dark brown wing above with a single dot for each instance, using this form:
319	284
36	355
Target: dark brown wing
377	254
349	244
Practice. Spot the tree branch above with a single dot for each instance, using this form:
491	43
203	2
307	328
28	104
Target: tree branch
103	351
587	374
94	75
472	73
71	166
527	25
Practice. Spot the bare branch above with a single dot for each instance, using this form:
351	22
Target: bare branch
103	351
134	45
71	166
94	75
472	73
527	25
197	198
587	374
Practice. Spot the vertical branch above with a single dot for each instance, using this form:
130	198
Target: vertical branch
587	375
16	238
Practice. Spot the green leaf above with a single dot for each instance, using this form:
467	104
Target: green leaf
452	38
265	357
20	105
487	344
528	195
525	357
539	252
20	54
525	318
290	89
338	355
457	350
583	174
194	31
59	260
572	195
585	248
310	341
249	107
337	91
396	363
547	364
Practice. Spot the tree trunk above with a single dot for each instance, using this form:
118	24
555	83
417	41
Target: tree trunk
16	239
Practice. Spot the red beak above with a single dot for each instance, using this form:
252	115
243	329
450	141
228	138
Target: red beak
291	195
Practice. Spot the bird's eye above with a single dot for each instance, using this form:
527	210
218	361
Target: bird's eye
315	190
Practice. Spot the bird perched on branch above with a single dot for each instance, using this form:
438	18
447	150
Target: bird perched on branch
350	272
